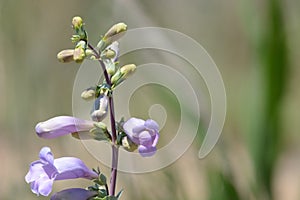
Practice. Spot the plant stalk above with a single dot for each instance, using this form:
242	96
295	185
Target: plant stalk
115	149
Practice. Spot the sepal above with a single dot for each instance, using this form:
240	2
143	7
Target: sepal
100	132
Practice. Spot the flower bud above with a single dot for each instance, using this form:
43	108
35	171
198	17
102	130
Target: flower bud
113	34
127	70
114	30
79	52
65	55
122	74
77	22
110	66
88	94
100	107
109	54
115	79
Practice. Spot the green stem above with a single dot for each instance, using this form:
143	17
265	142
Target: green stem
115	150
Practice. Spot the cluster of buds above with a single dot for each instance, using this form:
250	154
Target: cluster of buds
80	39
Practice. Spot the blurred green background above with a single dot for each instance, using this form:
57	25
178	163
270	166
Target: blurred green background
255	44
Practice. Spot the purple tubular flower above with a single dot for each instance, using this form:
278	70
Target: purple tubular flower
44	172
73	194
62	125
144	134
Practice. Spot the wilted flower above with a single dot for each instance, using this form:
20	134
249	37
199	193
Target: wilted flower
44	172
144	134
73	194
62	125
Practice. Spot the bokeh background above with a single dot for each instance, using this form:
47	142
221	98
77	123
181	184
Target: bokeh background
256	47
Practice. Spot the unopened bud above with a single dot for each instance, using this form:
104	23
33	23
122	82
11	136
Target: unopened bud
109	54
79	52
127	70
100	107
65	55
77	22
122	74
115	32
115	29
116	77
110	66
88	94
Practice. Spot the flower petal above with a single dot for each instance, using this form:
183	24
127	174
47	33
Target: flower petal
146	151
73	194
129	125
151	124
155	140
145	139
62	125
71	168
35	171
46	155
44	186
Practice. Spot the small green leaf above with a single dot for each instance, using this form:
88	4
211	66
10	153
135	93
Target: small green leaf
102	179
100	132
119	194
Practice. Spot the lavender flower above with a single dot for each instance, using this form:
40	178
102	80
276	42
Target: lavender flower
73	194
62	125
44	172
144	134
